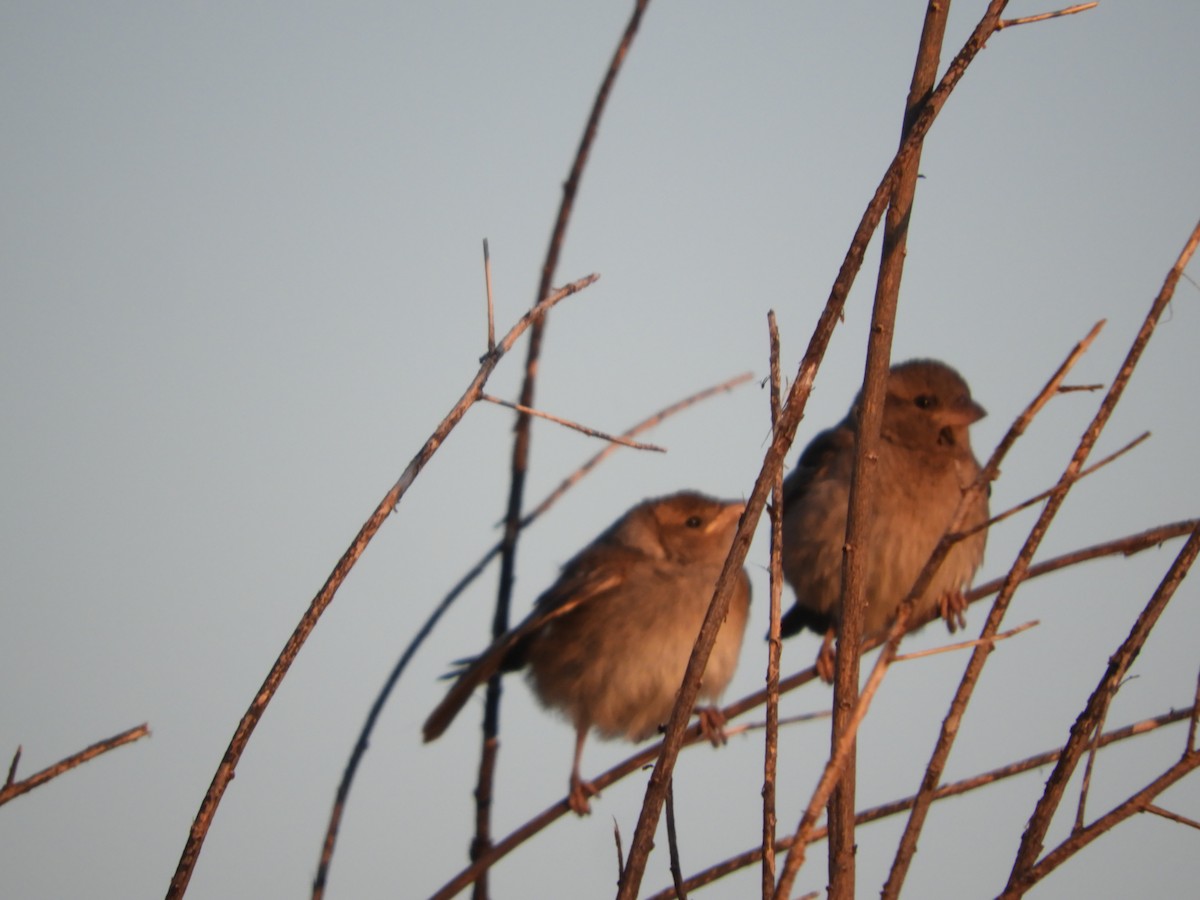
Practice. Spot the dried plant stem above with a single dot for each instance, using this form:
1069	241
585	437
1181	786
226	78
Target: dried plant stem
965	645
521	441
1025	873
1174	817
241	736
1038	498
1191	735
13	788
1043	17
673	844
360	746
590	432
491	309
1125	546
774	641
1016	575
1080	839
863	478
957	788
781	442
842	749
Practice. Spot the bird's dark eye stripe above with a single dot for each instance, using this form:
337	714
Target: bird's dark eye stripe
693	522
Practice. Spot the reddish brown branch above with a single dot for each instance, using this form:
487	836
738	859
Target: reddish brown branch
1126	546
583	429
1043	17
250	719
360	746
1080	839
13	788
522	437
1025	873
957	788
775	642
781	442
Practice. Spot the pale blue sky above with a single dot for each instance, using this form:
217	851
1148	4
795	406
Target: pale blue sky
241	275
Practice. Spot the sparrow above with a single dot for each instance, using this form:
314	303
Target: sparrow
607	644
925	463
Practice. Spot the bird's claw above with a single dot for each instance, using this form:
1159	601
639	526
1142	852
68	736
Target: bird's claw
953	606
712	725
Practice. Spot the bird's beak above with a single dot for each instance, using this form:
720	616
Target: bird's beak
964	412
729	514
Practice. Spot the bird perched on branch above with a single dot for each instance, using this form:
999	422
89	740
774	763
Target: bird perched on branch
924	465
608	643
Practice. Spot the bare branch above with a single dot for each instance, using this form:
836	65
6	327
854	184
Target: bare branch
1017	574
775	642
957	788
13	788
673	844
12	767
1080	839
1174	817
1037	498
250	719
781	442
522	438
965	645
1024	872
491	310
590	432
1043	17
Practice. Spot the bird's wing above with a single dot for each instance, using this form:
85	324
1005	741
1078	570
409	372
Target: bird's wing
578	583
827	450
816	460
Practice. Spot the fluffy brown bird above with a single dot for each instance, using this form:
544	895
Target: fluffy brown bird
925	462
608	643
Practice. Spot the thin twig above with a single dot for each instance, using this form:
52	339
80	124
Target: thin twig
1086	784
1190	746
953	789
781	442
864	472
774	641
522	438
1042	17
620	849
673	844
1080	839
12	767
1031	842
965	645
250	719
590	432
1025	873
1038	498
491	310
13	788
364	738
1125	546
1017	573
1174	817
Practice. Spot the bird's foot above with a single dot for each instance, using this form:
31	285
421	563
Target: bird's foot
581	792
953	606
712	725
824	664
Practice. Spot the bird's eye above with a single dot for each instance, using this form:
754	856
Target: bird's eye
925	401
693	522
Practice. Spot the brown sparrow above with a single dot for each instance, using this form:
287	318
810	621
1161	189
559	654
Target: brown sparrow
608	643
925	462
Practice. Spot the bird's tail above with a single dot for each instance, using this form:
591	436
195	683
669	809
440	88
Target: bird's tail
476	673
